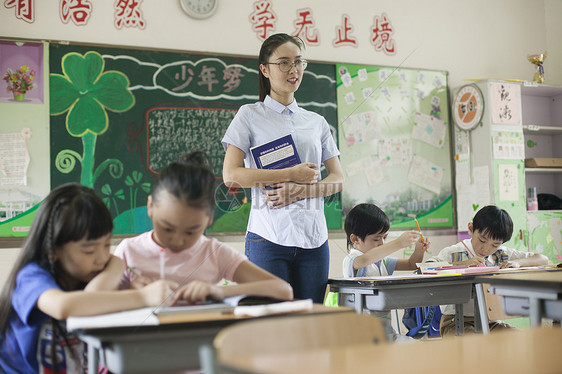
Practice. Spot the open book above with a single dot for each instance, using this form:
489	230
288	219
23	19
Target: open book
433	268
237	305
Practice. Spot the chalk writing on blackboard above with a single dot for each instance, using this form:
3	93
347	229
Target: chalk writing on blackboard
174	131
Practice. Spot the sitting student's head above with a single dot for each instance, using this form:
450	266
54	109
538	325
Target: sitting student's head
490	228
366	227
182	202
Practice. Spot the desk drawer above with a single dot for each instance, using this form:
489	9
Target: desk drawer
520	306
398	298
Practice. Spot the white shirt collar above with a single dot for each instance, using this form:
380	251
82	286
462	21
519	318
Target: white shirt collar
278	107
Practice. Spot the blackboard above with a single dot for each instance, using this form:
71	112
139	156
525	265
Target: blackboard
119	116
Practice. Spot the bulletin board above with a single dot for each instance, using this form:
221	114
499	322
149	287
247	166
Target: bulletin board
146	109
395	144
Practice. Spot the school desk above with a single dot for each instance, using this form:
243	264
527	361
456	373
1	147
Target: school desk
171	345
534	350
406	291
534	294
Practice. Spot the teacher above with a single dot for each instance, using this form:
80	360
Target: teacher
287	233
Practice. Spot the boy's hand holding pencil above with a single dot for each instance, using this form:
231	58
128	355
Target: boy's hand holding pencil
421	236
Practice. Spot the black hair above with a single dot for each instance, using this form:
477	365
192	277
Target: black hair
363	220
494	223
70	212
267	48
190	180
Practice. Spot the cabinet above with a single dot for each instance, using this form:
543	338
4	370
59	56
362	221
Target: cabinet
500	177
542	128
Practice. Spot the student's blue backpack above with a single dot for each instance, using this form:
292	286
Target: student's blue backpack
422	320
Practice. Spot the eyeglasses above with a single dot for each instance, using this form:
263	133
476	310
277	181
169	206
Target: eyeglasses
286	66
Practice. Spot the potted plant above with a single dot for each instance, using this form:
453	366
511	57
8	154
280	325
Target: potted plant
19	82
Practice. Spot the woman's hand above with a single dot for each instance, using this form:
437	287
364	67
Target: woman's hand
283	194
306	172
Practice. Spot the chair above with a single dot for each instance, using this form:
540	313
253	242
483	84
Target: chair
290	334
493	306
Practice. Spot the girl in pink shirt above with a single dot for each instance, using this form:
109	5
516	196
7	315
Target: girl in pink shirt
181	206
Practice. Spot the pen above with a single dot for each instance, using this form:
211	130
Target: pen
421	236
161	263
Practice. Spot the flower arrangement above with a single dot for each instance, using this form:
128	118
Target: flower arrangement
20	81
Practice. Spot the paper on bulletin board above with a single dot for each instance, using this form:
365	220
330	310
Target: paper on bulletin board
14	158
472	196
508	145
425	174
369	167
508	182
506	103
429	129
360	127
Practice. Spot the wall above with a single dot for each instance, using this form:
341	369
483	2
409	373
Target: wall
477	39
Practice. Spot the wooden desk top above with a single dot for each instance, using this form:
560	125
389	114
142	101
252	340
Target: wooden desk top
524	351
394	280
551	279
176	322
226	316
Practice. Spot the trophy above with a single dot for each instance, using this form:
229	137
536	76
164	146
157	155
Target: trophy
538	61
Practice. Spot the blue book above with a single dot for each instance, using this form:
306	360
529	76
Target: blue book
280	153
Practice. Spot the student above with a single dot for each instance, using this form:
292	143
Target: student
490	228
287	233
64	269
181	206
366	227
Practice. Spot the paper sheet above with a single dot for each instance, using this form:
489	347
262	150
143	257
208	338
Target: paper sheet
506	103
425	174
429	130
14	158
508	182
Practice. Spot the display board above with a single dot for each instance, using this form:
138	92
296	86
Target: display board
119	116
395	144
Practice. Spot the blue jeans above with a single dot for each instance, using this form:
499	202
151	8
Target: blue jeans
306	270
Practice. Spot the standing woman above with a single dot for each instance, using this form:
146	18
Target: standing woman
287	233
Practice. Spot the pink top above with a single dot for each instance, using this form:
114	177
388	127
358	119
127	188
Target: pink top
207	260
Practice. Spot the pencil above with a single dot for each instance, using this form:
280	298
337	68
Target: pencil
134	271
161	263
421	236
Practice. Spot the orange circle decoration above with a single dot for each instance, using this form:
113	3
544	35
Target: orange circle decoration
468	107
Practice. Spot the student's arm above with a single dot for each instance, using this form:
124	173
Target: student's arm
284	194
416	257
535	260
109	278
61	305
236	175
378	253
250	279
